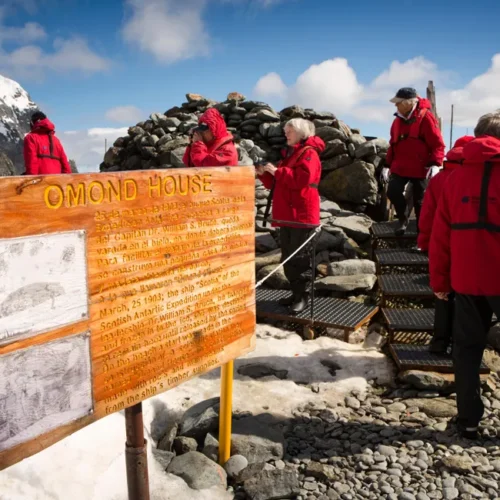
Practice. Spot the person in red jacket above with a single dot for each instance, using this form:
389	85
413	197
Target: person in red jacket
211	144
43	152
443	319
464	256
415	154
296	204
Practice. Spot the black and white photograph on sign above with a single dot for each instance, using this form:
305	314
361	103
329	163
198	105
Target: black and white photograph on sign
43	283
44	387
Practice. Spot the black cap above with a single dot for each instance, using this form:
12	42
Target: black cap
403	94
37	116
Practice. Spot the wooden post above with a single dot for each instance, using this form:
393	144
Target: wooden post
451	128
136	454
431	96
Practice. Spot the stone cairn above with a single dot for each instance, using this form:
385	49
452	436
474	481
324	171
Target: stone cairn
349	188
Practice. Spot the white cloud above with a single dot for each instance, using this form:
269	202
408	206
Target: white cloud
270	85
333	85
124	114
30	32
68	55
87	147
170	30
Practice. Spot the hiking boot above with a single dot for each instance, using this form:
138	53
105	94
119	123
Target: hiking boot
402	227
299	305
464	431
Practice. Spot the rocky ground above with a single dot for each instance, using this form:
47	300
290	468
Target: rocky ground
385	439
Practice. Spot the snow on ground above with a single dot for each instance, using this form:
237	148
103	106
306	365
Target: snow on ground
90	464
13	95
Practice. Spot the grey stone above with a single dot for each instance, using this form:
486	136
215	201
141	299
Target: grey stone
261	370
167	441
322	472
211	447
336	162
163	457
406	496
450	493
424	380
397	407
267	116
355	183
328	241
366	149
168	146
353	403
358	282
386	451
468	489
176	157
264	242
351	267
183	444
198	471
278	280
256	441
267	259
329	206
330	133
272	485
356	227
235	465
200	419
357	139
439	408
457	463
333	148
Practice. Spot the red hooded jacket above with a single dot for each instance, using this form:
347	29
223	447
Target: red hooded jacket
296	182
415	144
433	192
464	252
220	152
43	153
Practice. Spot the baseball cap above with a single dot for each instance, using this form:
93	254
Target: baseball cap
403	94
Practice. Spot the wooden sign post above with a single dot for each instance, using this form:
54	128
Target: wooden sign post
115	288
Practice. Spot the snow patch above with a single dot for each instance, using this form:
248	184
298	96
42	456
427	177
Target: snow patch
91	463
14	96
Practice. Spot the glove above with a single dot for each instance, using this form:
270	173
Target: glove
384	176
432	171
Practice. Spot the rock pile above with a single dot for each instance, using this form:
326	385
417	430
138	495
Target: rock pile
350	161
349	187
6	166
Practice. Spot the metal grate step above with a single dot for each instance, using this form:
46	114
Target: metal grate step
414	320
393	257
418	357
385	230
328	312
405	285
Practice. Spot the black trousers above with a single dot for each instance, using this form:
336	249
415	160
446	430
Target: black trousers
471	325
443	321
298	269
395	193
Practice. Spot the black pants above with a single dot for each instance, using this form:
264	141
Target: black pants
298	269
395	193
443	322
471	325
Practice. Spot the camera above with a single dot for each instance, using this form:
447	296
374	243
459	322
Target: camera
202	127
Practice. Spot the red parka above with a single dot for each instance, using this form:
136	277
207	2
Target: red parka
464	253
43	153
415	144
433	192
296	182
220	152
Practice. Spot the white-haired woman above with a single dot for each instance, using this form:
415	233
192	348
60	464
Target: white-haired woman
416	152
296	203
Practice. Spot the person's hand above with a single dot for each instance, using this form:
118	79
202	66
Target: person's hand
432	171
385	174
441	295
269	167
259	170
197	137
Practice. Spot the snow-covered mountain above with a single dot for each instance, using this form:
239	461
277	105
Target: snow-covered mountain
16	107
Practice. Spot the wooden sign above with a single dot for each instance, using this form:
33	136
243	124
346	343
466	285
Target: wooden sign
114	288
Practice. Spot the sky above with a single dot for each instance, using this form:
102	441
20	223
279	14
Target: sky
98	67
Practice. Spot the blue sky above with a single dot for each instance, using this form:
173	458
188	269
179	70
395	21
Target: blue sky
103	65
